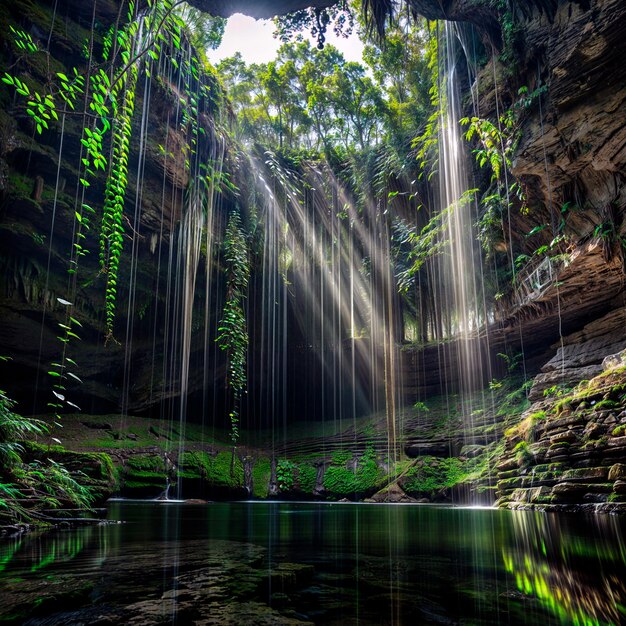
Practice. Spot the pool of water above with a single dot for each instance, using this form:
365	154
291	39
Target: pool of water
316	563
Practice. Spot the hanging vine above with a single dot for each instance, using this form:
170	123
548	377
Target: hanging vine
104	95
233	334
112	230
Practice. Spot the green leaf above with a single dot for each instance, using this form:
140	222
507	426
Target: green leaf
536	230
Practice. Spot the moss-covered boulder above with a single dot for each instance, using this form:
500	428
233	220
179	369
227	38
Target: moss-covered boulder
353	477
431	477
206	475
143	476
93	470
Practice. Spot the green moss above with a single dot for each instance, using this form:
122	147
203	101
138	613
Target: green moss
143	475
341	457
219	470
20	186
95	466
143	486
146	462
606	404
514	402
261	474
307	476
560	445
430	475
339	480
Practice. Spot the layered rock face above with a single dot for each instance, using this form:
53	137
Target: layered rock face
570	446
574	148
572	159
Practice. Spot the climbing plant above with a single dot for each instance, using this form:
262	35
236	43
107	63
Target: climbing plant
233	334
122	97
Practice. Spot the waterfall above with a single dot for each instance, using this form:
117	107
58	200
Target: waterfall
463	291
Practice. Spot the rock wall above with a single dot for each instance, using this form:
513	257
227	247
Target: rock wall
571	153
38	198
568	451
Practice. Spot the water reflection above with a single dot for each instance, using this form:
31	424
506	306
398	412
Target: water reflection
297	563
578	577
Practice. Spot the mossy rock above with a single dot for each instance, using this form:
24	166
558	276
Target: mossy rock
143	476
355	478
211	476
93	470
432	476
296	478
307	477
261	474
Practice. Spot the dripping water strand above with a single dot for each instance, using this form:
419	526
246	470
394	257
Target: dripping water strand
554	233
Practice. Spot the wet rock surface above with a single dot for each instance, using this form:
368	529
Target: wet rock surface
195	582
567	451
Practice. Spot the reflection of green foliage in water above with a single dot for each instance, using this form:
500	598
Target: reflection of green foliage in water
547	573
55	549
62	548
9	551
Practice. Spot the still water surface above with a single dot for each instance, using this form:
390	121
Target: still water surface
312	563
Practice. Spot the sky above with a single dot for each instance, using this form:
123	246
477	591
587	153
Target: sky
253	38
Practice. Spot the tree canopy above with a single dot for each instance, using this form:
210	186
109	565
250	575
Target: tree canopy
314	99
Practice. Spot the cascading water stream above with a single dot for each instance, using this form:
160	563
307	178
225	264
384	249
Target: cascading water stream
463	294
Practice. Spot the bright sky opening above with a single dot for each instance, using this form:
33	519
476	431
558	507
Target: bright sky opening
254	40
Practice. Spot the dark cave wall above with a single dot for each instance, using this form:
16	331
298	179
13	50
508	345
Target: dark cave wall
29	167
